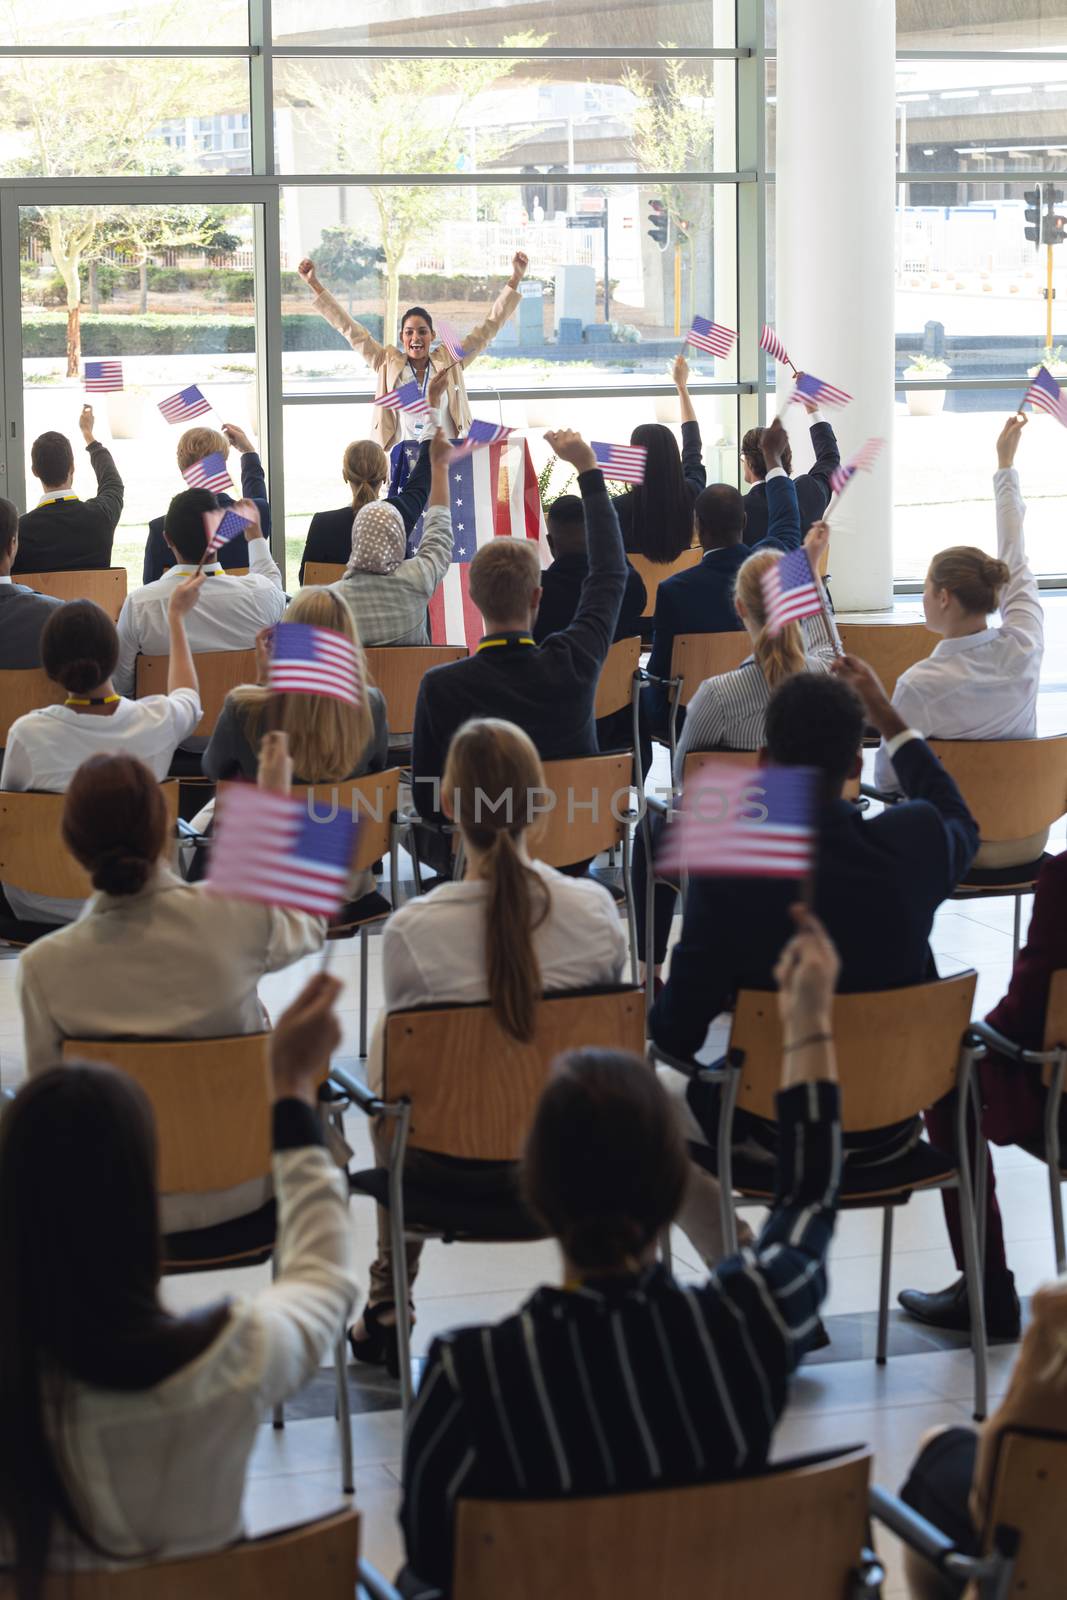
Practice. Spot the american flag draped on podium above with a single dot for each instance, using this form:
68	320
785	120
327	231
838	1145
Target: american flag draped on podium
494	494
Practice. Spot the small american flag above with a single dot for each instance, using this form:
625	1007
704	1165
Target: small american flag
1045	394
451	340
790	591
103	377
814	390
269	848
185	404
480	434
770	342
745	822
712	337
409	397
625	463
210	473
862	461
306	660
221	526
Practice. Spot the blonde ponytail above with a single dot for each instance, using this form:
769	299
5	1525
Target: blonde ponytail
490	776
782	656
365	469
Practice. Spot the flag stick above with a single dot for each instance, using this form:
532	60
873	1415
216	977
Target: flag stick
807	890
831	621
327	951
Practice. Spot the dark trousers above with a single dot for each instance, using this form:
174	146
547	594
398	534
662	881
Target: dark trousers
939	1487
665	898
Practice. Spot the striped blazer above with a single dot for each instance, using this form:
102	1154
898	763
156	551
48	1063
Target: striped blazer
633	1382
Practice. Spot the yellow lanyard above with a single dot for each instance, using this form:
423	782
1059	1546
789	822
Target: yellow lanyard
85	700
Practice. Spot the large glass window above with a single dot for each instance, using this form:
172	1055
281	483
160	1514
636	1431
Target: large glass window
154	22
437	23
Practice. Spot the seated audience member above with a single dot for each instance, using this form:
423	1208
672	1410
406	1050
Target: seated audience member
813	488
366	471
656	517
512	930
561	583
329	740
101	976
194	445
729	711
1013	1111
387	591
702	599
645	1380
951	1481
231	610
548	690
62	533
23	613
104	1406
79	649
877	883
980	682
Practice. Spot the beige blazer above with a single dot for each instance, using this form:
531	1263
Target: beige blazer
388	362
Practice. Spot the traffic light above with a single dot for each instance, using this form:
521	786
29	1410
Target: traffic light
1054	226
1033	215
658	222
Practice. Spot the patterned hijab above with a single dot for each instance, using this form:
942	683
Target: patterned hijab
379	539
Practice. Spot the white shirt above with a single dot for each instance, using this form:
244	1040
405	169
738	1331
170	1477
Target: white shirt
982	686
45	749
161	1471
228	614
433	947
173	962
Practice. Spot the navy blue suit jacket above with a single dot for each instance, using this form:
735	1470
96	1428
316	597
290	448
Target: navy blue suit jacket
702	599
877	887
813	488
158	555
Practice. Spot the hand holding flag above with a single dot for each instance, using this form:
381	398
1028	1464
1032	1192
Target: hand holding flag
270	848
791	590
1045	394
480	434
749	822
770	342
221	526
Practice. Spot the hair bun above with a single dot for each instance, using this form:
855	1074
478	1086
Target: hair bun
118	871
81	675
995	572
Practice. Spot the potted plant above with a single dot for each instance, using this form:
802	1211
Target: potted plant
926	402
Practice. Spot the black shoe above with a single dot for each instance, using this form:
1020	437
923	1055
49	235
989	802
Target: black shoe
948	1308
380	1343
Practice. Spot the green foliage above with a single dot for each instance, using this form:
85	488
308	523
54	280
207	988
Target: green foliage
544	483
44	334
345	257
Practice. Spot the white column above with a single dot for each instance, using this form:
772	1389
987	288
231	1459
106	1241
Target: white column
835	246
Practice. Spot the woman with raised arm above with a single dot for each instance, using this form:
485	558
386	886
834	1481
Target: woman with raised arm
656	517
418	358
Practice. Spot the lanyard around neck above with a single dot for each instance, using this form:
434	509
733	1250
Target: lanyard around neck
92	700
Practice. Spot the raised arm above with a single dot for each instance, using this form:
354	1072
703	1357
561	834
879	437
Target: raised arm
359	337
693	469
253	483
827	454
680	374
433	557
411	500
593	625
504	306
1021	612
181	668
260	559
110	491
783	510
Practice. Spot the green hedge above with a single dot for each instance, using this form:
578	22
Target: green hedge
45	334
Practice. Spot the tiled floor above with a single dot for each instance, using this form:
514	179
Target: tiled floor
295	1473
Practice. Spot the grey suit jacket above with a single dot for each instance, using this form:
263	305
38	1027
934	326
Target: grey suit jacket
23	614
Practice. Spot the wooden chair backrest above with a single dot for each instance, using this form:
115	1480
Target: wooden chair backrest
697	656
582	822
218	671
697	760
898	1050
709	1540
317	574
1028	1490
104	585
889	647
23	690
397	670
212	1100
473	1088
1013	787
653	573
615	684
33	856
372	801
319	1559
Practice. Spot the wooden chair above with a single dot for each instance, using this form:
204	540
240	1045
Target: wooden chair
317	574
1052	1060
398	670
104	585
889	647
898	1051
34	858
457	1085
212	1100
653	573
319	1559
710	1539
218	671
24	690
694	657
619	685
1024	1540
1014	788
